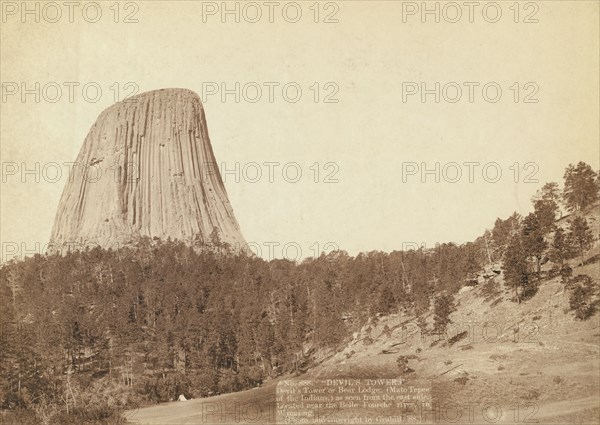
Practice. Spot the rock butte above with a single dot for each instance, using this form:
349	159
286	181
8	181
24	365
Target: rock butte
146	168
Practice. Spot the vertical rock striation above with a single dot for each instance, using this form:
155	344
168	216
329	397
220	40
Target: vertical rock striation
146	168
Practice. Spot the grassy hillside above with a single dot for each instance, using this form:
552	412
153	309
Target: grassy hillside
535	355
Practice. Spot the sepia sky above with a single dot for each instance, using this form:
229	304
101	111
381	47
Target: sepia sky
366	139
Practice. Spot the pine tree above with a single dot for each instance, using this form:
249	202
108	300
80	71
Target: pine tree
503	231
516	269
550	192
387	301
581	188
545	211
533	240
562	247
443	307
582	235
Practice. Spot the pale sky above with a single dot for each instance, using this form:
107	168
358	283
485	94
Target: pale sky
367	135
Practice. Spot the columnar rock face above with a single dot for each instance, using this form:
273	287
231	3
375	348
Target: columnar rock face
146	168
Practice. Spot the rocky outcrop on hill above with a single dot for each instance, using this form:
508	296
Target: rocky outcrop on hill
146	168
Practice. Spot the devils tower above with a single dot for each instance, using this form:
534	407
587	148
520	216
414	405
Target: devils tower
146	168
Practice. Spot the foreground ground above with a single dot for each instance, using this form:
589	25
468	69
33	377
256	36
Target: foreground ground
534	362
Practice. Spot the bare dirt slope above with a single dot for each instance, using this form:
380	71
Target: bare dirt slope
535	355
